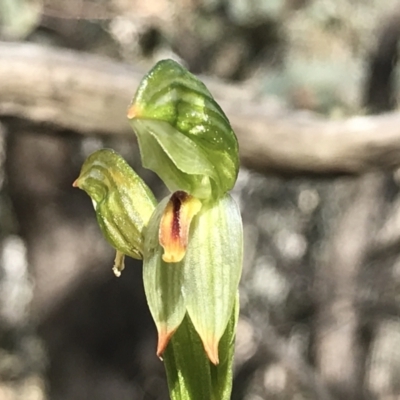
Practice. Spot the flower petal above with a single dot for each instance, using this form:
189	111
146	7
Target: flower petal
177	110
162	283
179	162
213	265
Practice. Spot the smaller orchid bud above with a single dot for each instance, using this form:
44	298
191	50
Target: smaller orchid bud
122	201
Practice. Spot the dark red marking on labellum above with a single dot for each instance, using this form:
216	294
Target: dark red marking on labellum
175	225
177	199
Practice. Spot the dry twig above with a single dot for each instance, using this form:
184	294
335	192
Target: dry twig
90	95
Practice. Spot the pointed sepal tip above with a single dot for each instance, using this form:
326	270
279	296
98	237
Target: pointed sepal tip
164	337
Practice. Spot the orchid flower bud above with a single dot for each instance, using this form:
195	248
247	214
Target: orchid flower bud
122	201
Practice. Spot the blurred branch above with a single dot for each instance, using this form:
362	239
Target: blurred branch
90	95
339	352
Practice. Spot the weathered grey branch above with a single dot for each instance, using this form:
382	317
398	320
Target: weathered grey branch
339	352
90	95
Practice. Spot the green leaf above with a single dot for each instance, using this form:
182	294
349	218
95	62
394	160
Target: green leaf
187	366
213	266
122	201
191	376
162	283
200	150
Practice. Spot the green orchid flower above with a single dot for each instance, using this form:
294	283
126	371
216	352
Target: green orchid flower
191	242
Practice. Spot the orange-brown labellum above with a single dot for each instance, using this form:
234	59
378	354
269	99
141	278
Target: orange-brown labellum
175	225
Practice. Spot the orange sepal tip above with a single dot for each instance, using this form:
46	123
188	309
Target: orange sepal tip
134	111
211	349
163	339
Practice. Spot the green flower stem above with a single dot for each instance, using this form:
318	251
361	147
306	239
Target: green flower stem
190	374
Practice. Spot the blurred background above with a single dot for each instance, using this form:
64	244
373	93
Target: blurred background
320	305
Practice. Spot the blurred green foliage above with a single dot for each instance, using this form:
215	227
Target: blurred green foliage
18	18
